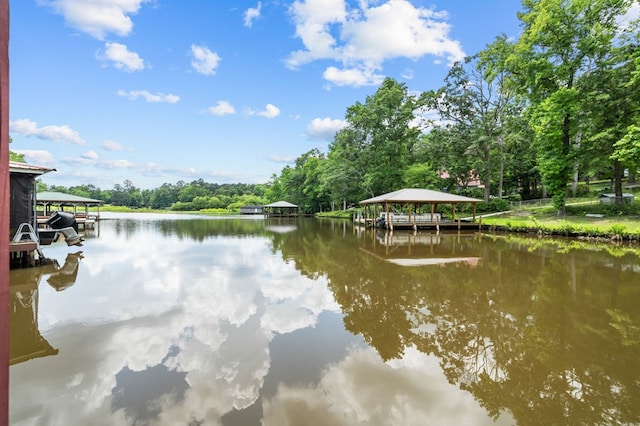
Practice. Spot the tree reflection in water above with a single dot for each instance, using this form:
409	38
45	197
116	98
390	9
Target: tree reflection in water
524	329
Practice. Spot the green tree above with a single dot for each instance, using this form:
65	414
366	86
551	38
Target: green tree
18	158
621	109
192	190
126	195
278	186
447	147
477	101
560	43
14	156
344	171
162	197
384	136
301	184
421	175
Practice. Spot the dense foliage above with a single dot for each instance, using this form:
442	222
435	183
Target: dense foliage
182	196
538	116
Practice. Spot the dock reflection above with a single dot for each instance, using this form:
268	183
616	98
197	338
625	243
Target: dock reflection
25	340
407	248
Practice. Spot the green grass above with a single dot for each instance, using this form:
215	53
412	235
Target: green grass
575	223
337	214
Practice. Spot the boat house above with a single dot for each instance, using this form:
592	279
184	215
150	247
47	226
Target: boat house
23	193
48	201
251	210
22	207
415	208
281	209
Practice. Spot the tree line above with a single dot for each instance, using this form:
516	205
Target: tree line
181	196
538	116
541	115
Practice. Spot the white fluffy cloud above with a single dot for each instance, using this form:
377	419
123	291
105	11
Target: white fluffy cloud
98	17
35	156
64	133
112	146
90	155
252	14
361	40
353	77
269	111
149	97
222	108
121	57
204	60
324	128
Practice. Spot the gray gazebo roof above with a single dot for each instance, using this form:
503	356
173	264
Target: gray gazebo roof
280	204
417	195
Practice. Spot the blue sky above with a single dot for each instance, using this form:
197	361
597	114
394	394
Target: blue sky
158	91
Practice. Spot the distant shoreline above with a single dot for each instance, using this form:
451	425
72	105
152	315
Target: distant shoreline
597	227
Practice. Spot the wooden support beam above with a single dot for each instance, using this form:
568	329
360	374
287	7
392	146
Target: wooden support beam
4	212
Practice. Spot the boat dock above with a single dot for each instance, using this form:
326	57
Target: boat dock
415	222
416	208
84	221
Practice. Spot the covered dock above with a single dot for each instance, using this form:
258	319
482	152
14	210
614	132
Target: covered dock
48	202
405	209
281	209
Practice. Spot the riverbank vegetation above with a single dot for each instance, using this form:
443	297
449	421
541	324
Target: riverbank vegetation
542	116
587	221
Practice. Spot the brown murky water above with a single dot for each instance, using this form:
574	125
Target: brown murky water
176	320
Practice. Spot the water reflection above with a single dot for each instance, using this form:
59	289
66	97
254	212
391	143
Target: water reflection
26	342
419	249
178	320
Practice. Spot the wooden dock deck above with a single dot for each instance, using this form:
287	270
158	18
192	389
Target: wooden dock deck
424	221
22	253
83	221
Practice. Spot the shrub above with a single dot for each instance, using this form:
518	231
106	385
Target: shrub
582	190
617	229
615	209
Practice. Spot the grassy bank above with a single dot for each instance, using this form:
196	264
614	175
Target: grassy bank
583	222
584	219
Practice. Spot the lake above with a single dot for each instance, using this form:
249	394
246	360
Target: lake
193	320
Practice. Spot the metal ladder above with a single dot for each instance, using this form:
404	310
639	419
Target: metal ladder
21	233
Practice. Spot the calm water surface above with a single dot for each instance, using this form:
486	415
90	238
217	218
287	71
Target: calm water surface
180	320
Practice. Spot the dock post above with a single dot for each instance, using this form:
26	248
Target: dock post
4	207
